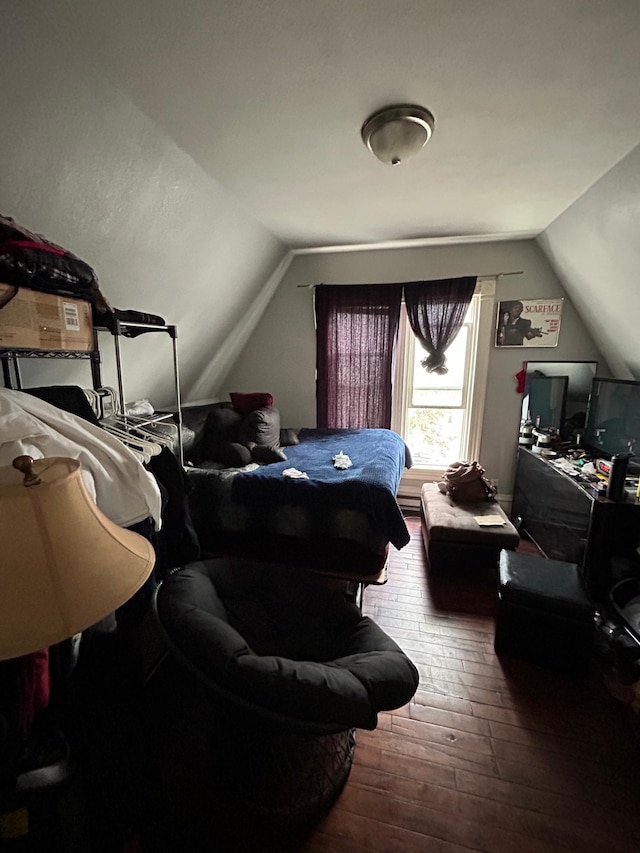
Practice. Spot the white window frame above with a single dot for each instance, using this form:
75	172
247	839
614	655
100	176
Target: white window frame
480	340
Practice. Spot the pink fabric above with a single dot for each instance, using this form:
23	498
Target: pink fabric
34	686
30	244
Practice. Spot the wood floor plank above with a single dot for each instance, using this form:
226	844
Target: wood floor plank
465	722
546	750
407	766
434	823
552	803
433	752
562	829
448	736
346	832
427	699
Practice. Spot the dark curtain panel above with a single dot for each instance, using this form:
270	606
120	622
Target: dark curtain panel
357	329
436	311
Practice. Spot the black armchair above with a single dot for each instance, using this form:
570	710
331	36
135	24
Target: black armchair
277	673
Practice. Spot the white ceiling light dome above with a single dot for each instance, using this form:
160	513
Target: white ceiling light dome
394	134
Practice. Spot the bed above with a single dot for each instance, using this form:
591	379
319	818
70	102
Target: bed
338	521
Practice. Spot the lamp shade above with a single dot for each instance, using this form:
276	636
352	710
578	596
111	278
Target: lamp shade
63	564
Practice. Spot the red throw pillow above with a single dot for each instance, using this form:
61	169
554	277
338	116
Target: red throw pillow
245	403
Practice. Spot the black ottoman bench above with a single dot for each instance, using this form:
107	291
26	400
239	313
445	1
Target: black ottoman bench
543	613
453	536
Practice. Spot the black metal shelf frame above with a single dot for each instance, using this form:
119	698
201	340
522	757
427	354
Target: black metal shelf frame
10	358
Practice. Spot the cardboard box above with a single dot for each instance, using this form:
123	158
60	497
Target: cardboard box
33	320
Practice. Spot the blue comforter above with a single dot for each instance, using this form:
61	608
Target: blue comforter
370	485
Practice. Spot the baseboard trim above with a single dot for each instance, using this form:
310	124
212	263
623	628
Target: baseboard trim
408	502
412	502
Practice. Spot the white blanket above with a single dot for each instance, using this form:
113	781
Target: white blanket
122	488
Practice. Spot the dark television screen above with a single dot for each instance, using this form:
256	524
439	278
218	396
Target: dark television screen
613	418
546	400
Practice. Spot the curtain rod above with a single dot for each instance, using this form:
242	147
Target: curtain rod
484	275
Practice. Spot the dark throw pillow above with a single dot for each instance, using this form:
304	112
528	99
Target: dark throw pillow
229	453
246	403
267	455
261	427
288	437
222	426
195	417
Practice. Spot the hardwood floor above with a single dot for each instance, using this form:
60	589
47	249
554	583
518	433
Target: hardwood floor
492	754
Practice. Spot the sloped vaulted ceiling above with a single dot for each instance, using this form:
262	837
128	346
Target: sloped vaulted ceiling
184	147
595	251
533	103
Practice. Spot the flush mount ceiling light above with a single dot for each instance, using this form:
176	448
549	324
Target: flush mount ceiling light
396	133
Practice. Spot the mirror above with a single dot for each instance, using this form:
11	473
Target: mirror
558	392
546	399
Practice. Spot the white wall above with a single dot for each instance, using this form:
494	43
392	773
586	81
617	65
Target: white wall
280	357
595	249
82	165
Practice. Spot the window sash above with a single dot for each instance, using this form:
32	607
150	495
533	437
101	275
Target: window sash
476	371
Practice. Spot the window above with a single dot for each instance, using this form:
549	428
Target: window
440	416
435	418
